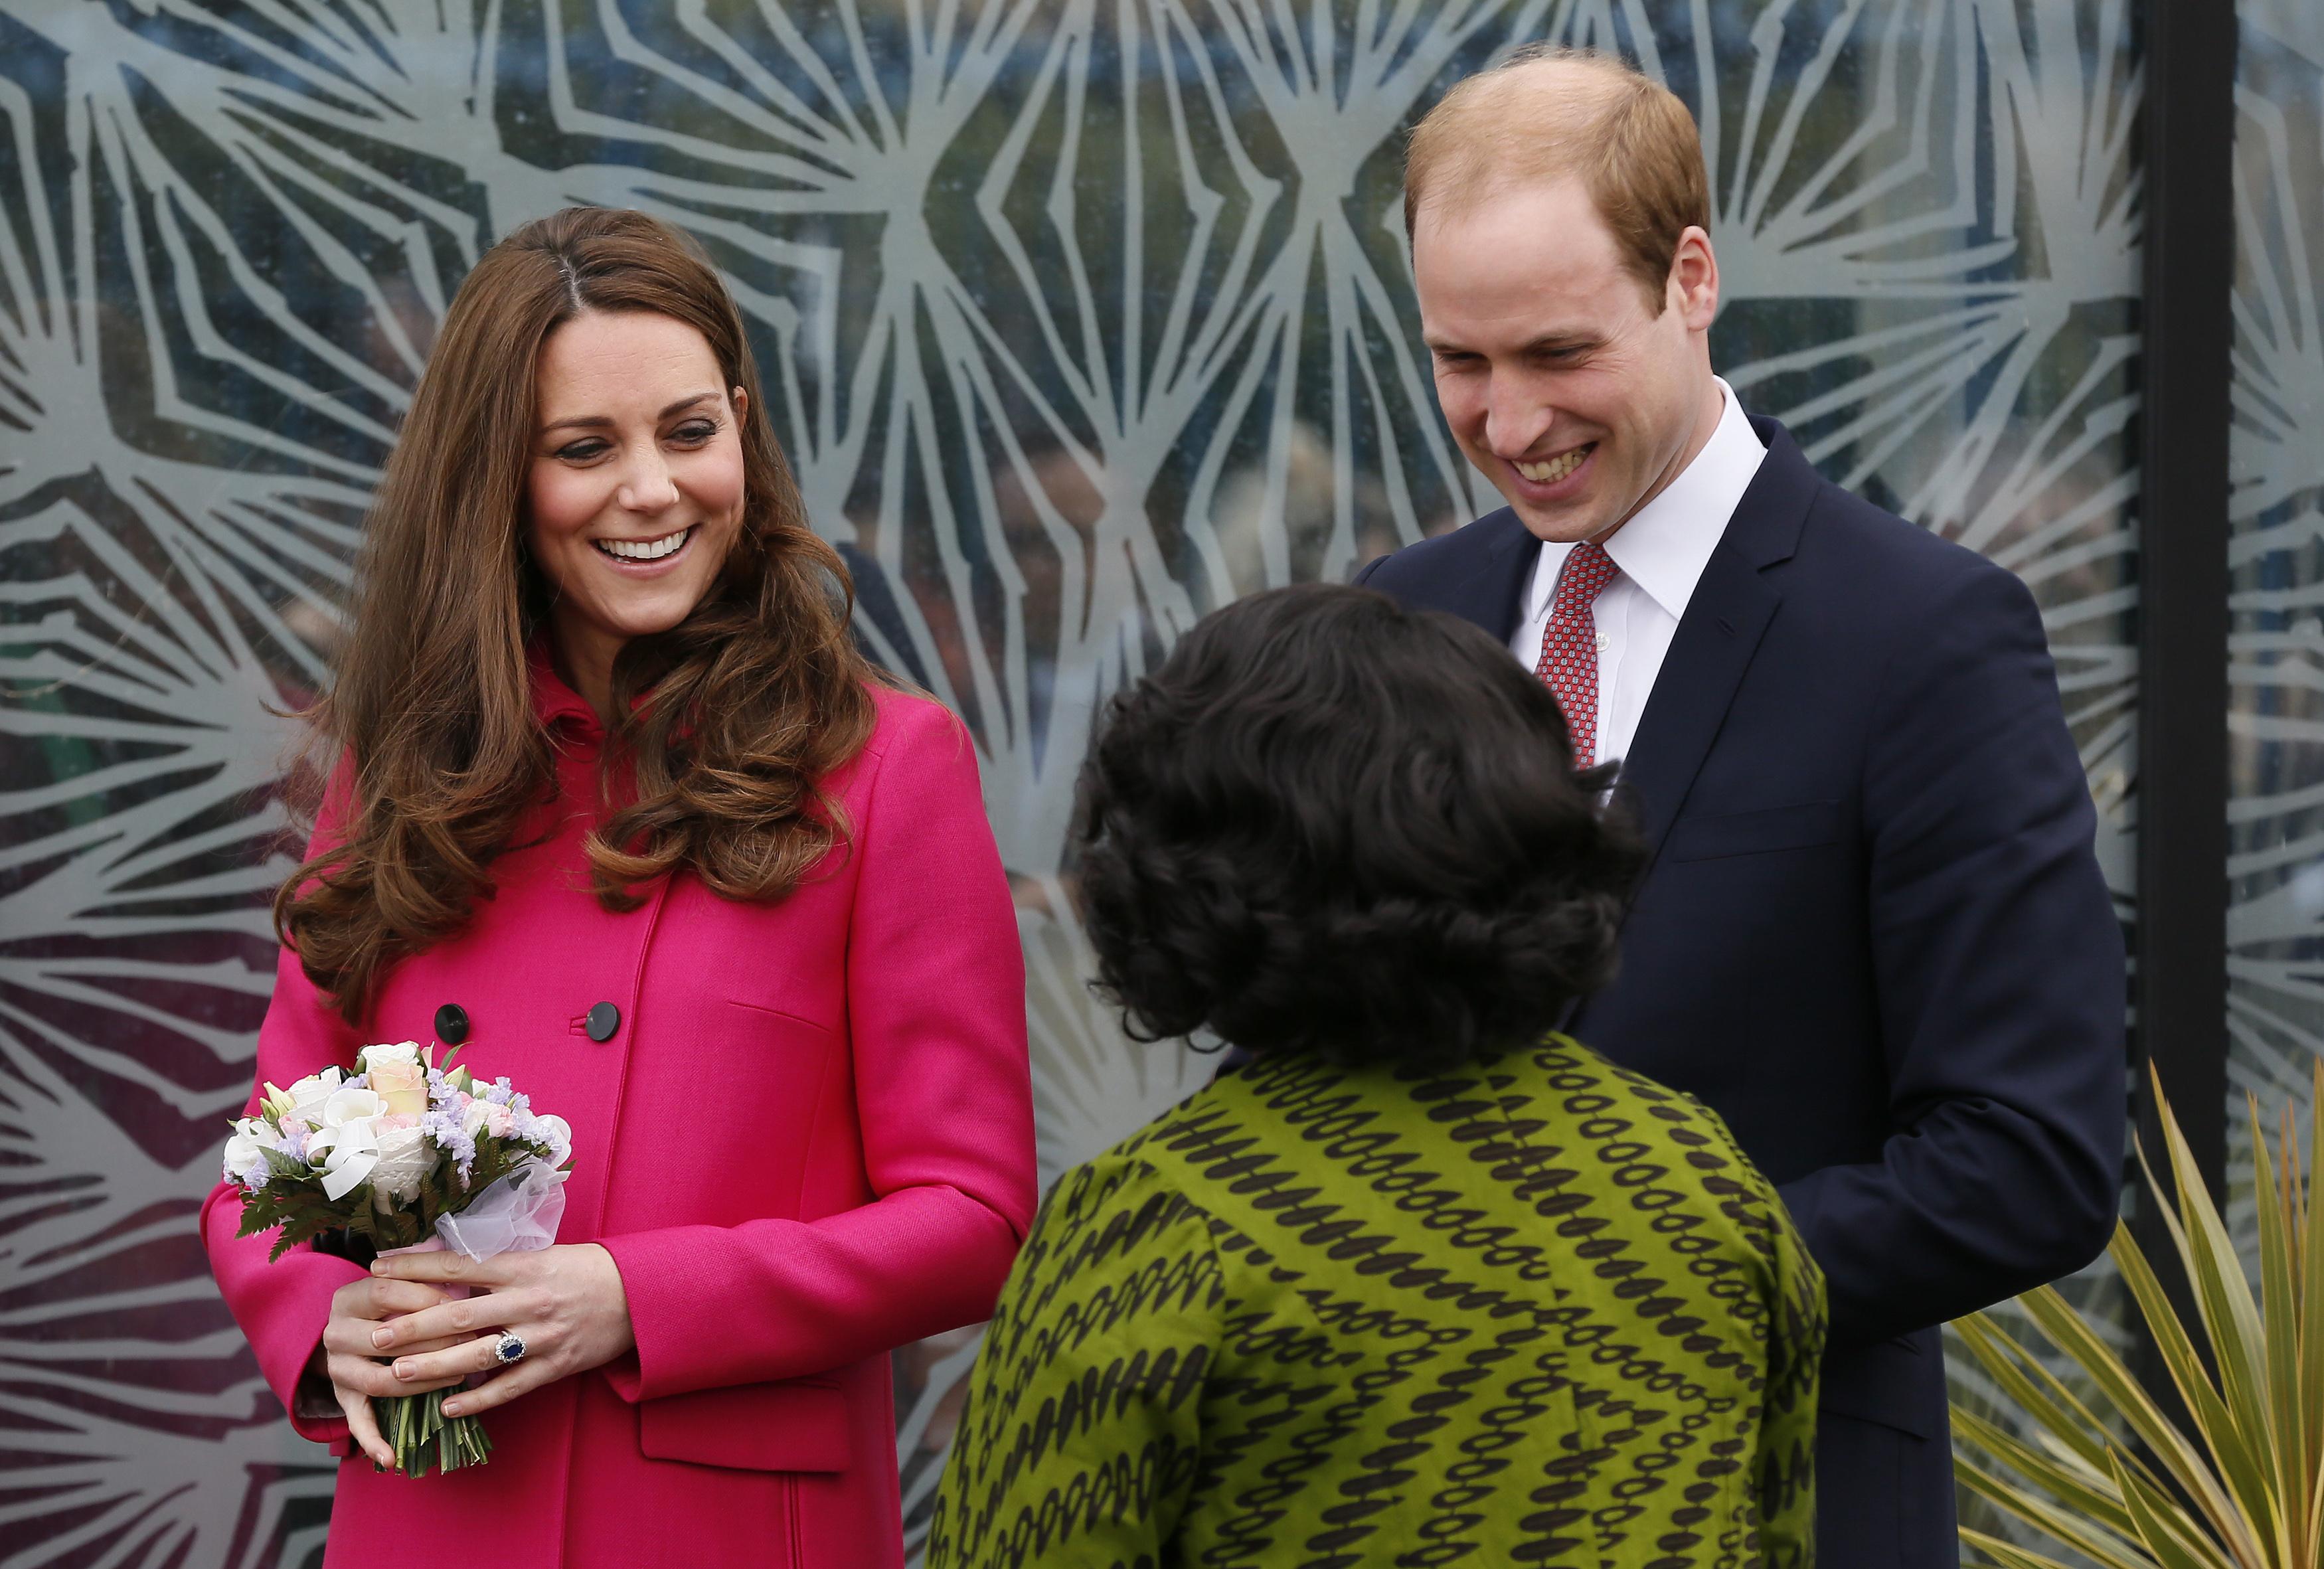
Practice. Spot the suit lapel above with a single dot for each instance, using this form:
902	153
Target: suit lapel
1715	639
1725	619
1492	593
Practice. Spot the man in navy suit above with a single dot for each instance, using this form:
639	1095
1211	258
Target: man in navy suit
1873	935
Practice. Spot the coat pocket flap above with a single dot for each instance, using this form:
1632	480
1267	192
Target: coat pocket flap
793	1426
1798	827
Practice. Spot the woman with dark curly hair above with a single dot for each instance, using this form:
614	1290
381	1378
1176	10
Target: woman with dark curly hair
1418	1281
619	811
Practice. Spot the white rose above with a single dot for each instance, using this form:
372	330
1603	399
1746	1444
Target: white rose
303	1101
376	1058
403	1159
347	1104
243	1151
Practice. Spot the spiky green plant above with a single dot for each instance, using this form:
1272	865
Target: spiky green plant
2104	1471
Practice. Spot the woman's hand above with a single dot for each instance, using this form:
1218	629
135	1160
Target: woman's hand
566	1303
347	1357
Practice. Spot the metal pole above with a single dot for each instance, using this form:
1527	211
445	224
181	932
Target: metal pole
2179	949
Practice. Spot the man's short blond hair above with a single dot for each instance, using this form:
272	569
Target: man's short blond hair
1546	113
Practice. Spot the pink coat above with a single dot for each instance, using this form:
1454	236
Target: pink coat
808	1141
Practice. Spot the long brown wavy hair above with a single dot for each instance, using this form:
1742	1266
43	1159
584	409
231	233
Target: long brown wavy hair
724	726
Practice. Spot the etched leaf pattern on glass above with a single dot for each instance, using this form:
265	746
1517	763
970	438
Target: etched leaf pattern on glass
1077	320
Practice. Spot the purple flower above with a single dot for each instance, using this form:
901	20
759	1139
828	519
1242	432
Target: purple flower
444	1129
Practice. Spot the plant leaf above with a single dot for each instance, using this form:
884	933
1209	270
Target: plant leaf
2280	1324
2174	1540
2089	1493
2015	1369
2191	1470
2005	1555
2231	1323
2102	1547
2309	1352
2185	1364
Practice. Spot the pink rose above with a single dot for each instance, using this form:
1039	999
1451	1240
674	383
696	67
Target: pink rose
481	1119
402	1083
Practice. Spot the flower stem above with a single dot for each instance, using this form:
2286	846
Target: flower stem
424	1439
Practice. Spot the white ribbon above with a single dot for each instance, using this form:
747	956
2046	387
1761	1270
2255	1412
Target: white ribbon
348	1154
516	1214
348	1136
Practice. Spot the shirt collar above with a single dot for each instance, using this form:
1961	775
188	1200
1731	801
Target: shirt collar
1667	542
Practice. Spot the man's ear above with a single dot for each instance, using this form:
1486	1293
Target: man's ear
1693	288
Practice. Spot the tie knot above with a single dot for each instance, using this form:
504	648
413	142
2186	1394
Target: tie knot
1588	570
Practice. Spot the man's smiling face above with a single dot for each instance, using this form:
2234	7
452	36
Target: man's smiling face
1560	381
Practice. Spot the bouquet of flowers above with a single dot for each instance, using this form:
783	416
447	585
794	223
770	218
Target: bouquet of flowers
401	1155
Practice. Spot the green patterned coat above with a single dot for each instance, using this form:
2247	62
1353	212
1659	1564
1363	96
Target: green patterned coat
1536	1311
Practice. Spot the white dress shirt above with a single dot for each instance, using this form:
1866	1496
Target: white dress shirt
1661	553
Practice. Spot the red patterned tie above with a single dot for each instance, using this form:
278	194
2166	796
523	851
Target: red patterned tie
1569	647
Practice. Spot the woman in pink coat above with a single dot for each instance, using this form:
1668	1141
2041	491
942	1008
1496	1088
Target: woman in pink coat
620	811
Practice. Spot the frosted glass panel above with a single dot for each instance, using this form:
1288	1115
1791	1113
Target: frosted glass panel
1077	320
2275	923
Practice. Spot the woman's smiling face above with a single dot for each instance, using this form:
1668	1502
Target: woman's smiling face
635	489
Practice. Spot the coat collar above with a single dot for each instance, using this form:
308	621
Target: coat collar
1491	591
554	703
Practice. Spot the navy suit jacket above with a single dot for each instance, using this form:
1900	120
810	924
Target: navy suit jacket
1873	936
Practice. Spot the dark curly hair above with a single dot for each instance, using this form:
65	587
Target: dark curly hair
1334	824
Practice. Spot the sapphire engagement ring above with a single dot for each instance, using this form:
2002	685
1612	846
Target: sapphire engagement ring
509	1349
